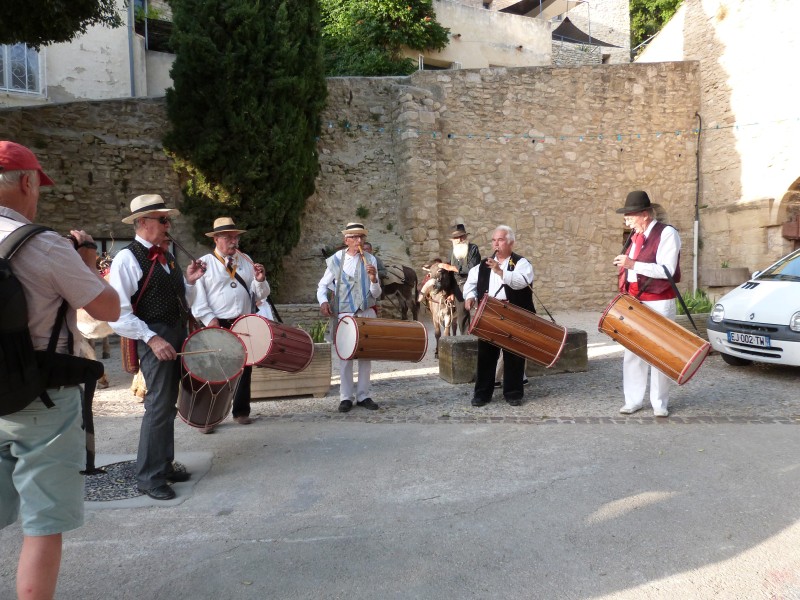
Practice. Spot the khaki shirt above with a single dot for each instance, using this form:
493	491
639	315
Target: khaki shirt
50	270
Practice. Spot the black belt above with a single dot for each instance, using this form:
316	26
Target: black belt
226	323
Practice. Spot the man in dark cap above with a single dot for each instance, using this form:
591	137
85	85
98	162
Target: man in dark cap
654	246
464	256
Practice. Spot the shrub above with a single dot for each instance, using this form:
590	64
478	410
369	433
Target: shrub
697	302
317	331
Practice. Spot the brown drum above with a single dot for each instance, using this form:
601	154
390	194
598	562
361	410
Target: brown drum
213	359
665	345
381	339
519	331
274	345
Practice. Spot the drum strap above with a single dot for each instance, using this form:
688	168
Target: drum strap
680	298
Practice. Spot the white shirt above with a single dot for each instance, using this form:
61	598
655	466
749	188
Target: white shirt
666	254
217	299
520	277
349	266
124	277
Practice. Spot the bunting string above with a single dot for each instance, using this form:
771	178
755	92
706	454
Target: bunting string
344	125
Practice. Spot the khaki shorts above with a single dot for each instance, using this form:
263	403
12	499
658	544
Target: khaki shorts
42	451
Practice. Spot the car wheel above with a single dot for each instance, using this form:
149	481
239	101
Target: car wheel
736	361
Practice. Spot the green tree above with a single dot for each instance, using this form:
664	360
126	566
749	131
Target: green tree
364	37
248	88
648	17
42	22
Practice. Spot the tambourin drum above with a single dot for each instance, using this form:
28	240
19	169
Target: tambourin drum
212	359
661	342
380	339
519	331
274	345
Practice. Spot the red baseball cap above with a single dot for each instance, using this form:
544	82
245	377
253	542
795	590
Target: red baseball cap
14	157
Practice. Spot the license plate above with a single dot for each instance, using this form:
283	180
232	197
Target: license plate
748	338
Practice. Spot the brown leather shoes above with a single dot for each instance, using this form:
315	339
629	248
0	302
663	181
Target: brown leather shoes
243	420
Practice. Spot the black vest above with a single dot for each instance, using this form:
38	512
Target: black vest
522	298
160	303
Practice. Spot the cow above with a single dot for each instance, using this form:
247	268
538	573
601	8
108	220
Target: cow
400	288
442	296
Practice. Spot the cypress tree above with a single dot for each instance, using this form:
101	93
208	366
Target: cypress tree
248	87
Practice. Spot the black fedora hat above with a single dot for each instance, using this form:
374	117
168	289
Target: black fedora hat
635	202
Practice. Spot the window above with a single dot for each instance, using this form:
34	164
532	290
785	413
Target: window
19	69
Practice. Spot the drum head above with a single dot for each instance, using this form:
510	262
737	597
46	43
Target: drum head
256	334
220	354
346	338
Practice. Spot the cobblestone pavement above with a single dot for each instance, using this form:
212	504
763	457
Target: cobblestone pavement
414	392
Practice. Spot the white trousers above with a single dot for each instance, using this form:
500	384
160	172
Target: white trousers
634	370
364	371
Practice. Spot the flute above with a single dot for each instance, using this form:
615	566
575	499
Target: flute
363	258
180	247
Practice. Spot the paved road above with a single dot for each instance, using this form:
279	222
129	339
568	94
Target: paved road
430	498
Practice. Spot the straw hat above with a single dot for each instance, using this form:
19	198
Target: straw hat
224	225
354	229
147	205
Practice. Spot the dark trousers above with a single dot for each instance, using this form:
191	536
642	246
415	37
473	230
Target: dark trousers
241	399
514	369
157	434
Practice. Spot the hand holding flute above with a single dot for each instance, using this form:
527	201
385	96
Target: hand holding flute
372	271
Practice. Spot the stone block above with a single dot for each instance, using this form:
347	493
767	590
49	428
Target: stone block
574	357
458	357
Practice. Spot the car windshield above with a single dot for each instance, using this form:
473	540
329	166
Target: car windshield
786	269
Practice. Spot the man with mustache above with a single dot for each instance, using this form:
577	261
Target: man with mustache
233	283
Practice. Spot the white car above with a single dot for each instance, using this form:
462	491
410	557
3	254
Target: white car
760	320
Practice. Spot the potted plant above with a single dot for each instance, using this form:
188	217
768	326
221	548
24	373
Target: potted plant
315	379
725	275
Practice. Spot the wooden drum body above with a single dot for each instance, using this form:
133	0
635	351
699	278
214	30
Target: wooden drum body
380	339
519	331
213	359
274	345
662	343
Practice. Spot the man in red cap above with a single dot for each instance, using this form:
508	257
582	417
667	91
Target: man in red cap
41	448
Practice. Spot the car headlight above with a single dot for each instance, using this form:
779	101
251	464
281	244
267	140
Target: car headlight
794	322
718	313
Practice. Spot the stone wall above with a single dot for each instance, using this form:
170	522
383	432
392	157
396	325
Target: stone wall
549	151
101	154
568	54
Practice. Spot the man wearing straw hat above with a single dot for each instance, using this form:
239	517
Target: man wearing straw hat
159	325
353	276
229	289
654	246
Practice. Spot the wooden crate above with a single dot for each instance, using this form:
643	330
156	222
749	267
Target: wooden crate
314	379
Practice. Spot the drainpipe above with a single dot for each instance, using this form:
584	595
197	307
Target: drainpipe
697	203
130	48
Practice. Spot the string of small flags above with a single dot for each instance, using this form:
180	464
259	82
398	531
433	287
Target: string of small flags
345	125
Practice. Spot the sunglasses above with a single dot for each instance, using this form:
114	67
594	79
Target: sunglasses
162	220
